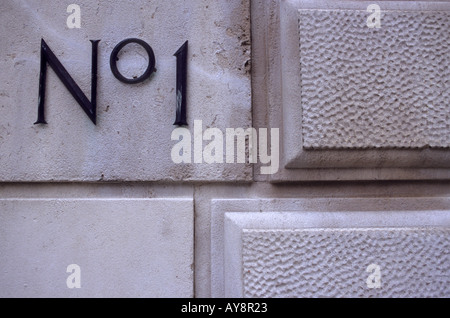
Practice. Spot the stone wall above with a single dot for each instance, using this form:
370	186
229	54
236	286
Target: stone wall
314	163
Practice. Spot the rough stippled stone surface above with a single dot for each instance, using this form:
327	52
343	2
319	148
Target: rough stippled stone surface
323	248
334	262
365	88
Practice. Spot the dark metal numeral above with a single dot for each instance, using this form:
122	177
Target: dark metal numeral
181	109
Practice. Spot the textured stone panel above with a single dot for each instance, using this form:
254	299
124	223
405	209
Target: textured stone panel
364	88
264	246
125	248
333	262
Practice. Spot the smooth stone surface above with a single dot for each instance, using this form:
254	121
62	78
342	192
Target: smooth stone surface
124	247
132	140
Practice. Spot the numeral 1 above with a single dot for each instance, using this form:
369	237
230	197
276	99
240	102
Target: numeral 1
181	109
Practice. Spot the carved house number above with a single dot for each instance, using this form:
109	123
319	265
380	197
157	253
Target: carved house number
90	106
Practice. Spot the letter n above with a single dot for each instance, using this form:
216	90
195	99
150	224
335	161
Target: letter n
48	57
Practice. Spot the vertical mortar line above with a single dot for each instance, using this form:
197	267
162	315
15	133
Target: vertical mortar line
194	250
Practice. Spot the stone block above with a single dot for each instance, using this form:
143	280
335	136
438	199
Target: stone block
132	138
124	248
330	248
358	102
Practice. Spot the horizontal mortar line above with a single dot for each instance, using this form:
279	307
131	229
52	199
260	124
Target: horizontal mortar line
187	199
446	10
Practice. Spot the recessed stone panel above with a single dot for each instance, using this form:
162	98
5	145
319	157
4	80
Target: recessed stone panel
365	88
336	263
352	101
330	248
